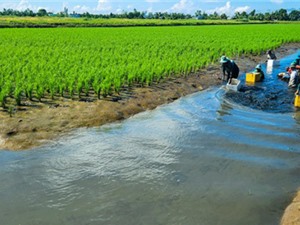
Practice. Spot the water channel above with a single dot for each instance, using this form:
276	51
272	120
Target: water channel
206	159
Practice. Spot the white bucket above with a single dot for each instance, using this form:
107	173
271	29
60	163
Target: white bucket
235	85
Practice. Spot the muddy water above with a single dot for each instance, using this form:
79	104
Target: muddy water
271	95
207	159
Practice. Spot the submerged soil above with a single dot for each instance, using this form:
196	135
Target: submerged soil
35	123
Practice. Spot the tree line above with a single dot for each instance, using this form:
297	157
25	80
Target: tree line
280	15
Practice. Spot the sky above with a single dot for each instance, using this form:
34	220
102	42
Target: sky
228	7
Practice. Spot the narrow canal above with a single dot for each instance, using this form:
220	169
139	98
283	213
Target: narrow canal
211	158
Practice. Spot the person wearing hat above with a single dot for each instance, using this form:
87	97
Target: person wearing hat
297	62
271	55
229	68
286	75
294	76
259	70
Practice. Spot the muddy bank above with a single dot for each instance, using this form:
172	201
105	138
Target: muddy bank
36	123
292	212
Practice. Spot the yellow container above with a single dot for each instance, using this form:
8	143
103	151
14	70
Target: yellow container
252	77
297	101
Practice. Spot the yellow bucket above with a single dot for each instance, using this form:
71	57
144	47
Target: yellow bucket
252	77
297	101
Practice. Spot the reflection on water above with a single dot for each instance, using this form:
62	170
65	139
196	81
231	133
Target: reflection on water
297	116
201	160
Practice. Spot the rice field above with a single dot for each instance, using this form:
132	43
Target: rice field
73	62
11	21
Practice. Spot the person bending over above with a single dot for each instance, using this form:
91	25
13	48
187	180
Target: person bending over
229	68
271	55
294	77
259	70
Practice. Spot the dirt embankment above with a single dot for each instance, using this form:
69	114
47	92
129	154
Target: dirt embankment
291	214
35	123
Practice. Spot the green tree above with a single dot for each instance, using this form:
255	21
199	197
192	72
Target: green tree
42	12
260	16
223	16
294	15
282	14
252	13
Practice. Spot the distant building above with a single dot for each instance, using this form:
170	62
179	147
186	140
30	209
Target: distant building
74	15
51	14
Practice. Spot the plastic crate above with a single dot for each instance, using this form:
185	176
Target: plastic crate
297	101
252	77
235	85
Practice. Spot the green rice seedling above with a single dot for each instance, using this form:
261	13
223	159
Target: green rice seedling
79	87
18	94
52	87
70	61
40	91
29	91
61	88
97	86
117	84
86	87
98	90
106	87
2	98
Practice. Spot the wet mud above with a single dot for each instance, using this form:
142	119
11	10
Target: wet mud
266	98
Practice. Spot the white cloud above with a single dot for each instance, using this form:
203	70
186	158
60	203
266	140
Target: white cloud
129	7
277	1
21	5
183	6
150	9
242	9
119	10
103	5
81	8
227	9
